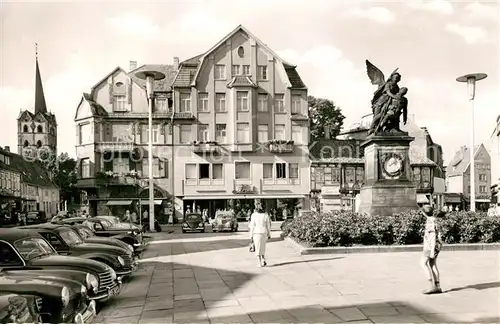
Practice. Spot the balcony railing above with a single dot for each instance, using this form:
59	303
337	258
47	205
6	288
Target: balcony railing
205	147
242	147
280	181
297	116
183	116
423	186
115	146
278	146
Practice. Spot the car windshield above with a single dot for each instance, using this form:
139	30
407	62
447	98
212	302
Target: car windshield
224	216
70	237
111	219
193	216
31	248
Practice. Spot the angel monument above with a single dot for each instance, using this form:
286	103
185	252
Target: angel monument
389	101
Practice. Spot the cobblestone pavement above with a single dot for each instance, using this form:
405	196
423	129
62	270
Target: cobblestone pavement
213	278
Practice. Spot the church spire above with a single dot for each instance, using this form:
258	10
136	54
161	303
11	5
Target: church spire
40	105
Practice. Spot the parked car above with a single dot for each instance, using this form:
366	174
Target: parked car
88	235
36	217
104	228
28	251
117	222
225	221
62	301
193	222
16	309
67	242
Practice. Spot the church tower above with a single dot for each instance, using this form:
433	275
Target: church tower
37	131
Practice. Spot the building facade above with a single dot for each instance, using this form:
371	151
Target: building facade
458	177
245	135
112	137
25	186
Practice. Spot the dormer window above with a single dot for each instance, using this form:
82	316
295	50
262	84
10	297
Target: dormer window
119	84
119	103
241	51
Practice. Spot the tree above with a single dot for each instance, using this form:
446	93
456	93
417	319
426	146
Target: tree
324	114
62	171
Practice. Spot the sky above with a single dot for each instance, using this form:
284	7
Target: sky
431	42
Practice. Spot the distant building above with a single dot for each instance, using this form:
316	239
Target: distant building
458	177
25	185
37	131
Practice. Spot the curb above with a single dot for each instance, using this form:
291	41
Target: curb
304	250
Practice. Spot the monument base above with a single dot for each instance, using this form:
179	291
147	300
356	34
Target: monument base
387	199
388	188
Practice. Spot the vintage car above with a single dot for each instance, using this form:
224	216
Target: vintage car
88	235
67	242
36	217
57	300
225	221
24	250
117	222
193	222
17	309
104	228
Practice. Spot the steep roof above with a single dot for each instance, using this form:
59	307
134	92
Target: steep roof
32	172
40	104
159	85
96	108
461	160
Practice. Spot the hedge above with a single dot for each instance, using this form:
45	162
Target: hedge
343	228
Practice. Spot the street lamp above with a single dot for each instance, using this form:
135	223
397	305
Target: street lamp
150	77
471	80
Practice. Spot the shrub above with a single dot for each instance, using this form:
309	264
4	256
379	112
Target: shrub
343	228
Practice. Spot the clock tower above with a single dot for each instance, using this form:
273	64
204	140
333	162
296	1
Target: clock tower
387	188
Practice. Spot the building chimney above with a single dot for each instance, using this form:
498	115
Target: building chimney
7	148
176	63
133	65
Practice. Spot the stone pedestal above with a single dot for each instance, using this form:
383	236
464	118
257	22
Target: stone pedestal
388	188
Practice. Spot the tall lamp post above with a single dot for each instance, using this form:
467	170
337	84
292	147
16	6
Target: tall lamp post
150	77
471	80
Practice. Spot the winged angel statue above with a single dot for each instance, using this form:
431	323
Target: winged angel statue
388	102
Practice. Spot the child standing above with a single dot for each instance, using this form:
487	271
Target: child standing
432	246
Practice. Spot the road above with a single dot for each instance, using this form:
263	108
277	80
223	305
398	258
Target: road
213	278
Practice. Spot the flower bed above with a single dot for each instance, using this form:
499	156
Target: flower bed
342	228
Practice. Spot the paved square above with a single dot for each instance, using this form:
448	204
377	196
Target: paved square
213	278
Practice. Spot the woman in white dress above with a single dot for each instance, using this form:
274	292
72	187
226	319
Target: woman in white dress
260	232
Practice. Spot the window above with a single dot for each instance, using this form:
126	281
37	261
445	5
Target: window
8	257
120	103
243	133
185	134
220	72
246	70
296	99
121	165
190	170
204	171
203	133
279	132
185	102
161	105
203	102
217	171
242	100
267	170
144	134
297	134
482	189
241	51
220	133
293	170
279	103
26	143
84	135
39	129
159	168
262	72
242	170
263	133
235	70
262	102
85	171
280	170
39	144
121	132
482	177
426	174
220	102
416	175
25	128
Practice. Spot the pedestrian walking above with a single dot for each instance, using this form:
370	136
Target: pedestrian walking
432	247
260	232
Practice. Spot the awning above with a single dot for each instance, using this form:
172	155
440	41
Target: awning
119	203
241	196
452	199
146	202
422	199
483	200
